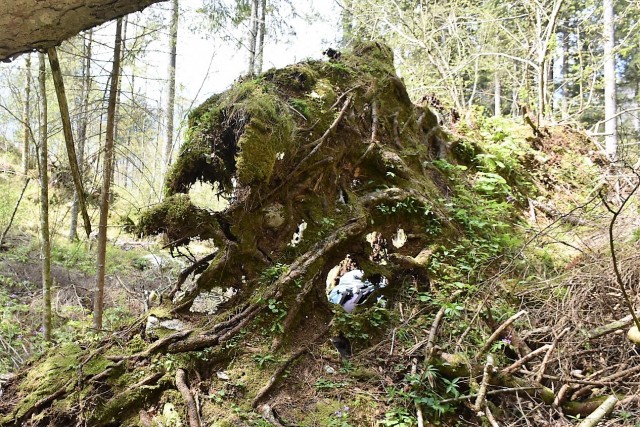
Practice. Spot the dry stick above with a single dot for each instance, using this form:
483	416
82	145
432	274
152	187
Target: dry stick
431	340
560	397
499	331
414	368
518	363
621	374
601	411
192	409
15	210
482	393
614	258
489	393
490	418
547	356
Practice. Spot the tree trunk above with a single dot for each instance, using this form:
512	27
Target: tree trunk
262	30
497	108
82	129
68	135
44	202
171	98
106	181
253	36
610	124
41	24
26	118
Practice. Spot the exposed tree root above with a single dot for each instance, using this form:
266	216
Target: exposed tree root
187	396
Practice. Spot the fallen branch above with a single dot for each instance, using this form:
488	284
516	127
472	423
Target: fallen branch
499	331
187	396
482	392
518	363
601	411
545	360
611	327
489	393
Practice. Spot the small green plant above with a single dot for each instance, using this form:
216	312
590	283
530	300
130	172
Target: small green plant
263	360
323	384
398	417
271	274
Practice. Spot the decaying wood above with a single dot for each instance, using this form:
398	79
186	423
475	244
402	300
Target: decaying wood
553	213
187	396
602	411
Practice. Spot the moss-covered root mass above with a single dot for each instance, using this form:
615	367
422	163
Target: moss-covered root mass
324	164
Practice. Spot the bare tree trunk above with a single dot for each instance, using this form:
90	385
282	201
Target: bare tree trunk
106	182
253	36
44	202
263	28
610	124
68	135
26	118
171	98
82	129
497	95
346	20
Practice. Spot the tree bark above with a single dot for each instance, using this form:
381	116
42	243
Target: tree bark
106	181
41	24
68	135
253	36
26	119
497	108
261	33
171	98
610	107
82	129
45	247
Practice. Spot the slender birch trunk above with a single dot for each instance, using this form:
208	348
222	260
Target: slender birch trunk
45	247
106	182
610	107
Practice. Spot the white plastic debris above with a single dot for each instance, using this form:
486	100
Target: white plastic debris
297	236
399	239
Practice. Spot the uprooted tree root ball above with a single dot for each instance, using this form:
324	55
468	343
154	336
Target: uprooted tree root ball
328	168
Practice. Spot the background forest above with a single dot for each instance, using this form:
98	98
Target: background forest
75	266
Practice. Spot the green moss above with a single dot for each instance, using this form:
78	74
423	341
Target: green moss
57	370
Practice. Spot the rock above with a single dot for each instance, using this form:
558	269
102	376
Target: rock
634	335
274	215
